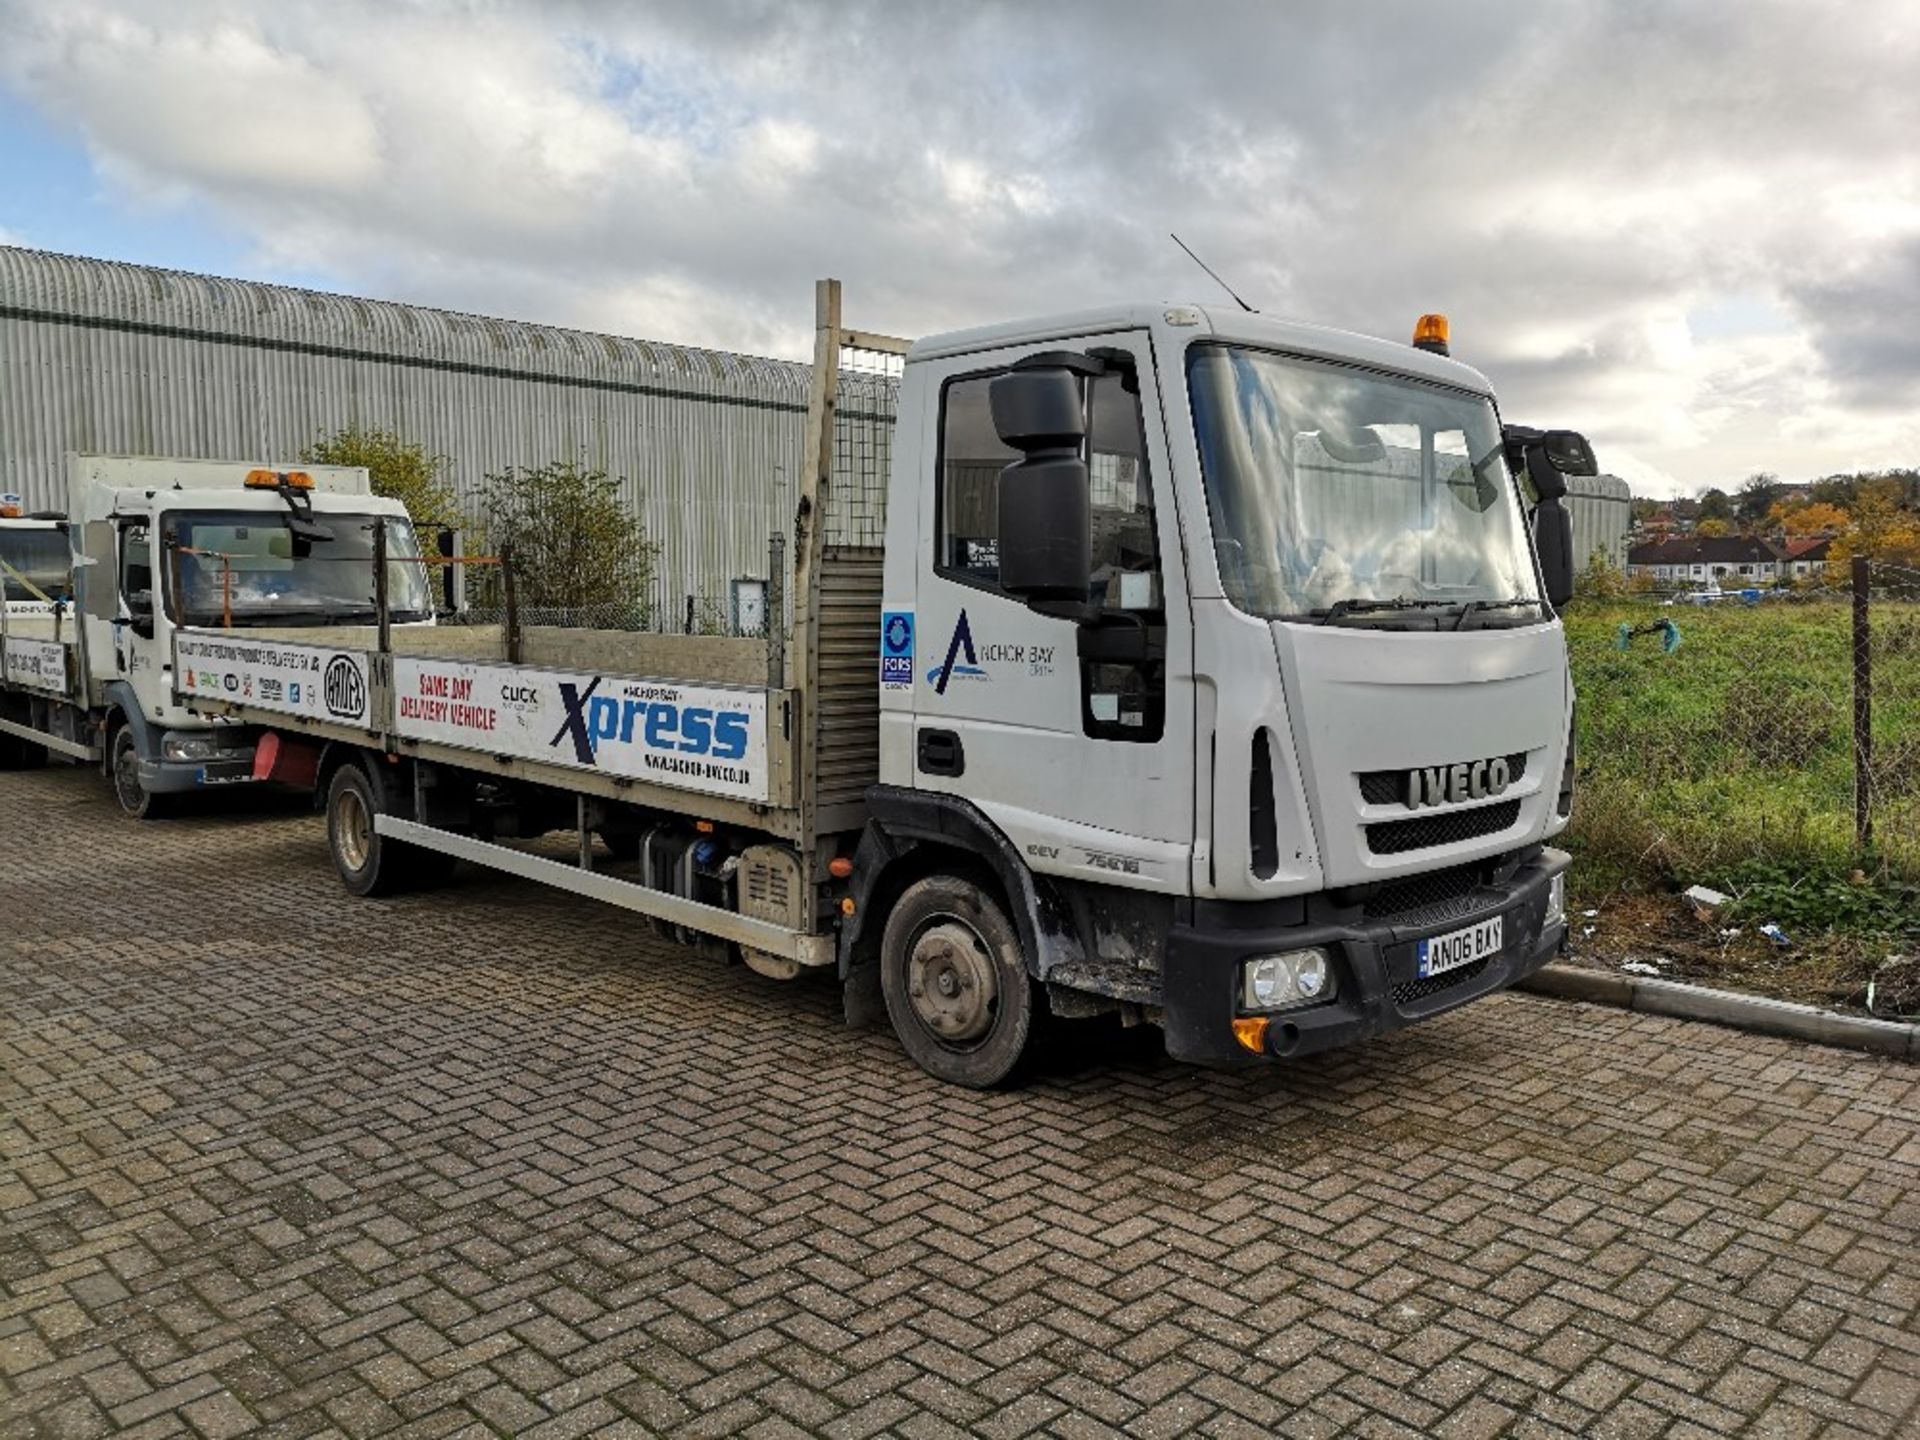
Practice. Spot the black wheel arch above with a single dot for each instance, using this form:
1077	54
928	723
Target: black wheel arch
913	833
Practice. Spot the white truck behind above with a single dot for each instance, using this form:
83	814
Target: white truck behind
1210	676
153	546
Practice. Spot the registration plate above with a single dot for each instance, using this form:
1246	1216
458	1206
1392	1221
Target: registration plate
1441	953
203	776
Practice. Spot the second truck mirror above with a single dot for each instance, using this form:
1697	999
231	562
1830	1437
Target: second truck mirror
1046	521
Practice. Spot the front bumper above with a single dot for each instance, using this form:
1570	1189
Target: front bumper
171	777
1378	987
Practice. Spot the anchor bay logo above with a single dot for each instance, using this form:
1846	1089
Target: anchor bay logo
961	645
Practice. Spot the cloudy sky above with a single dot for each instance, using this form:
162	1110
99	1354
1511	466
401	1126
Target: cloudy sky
1692	229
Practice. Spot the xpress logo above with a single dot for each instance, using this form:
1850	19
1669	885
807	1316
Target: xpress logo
659	724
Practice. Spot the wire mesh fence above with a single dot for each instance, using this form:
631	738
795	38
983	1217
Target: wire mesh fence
1766	727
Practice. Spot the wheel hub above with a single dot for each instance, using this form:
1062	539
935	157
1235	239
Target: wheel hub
355	831
950	981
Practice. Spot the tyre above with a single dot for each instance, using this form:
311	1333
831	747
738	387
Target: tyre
368	862
135	799
956	983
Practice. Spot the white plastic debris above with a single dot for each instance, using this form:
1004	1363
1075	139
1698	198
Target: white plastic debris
1641	967
1774	933
1707	902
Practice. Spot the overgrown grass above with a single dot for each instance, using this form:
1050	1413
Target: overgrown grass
1729	762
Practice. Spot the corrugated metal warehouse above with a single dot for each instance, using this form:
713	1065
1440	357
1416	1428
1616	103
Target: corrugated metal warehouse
1601	507
126	359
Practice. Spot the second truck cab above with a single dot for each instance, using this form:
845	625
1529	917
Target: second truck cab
162	545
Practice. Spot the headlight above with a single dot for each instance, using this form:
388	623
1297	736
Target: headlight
1556	899
1277	982
188	747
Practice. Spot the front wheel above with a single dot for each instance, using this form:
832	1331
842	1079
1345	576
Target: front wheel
955	982
368	862
134	797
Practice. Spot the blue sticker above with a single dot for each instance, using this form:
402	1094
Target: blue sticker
896	648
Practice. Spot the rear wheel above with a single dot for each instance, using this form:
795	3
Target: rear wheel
368	862
134	797
956	983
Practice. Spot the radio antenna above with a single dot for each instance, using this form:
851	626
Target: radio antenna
1209	269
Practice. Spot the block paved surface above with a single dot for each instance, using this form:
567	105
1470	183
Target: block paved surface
493	1161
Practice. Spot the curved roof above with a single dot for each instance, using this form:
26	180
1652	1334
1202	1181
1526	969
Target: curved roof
1599	487
281	316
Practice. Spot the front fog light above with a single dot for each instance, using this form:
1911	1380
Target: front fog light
1310	974
1275	982
1556	899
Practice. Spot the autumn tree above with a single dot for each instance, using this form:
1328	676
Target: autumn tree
1879	528
1809	517
1713	528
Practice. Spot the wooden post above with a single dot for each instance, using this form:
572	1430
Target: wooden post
809	532
513	605
1862	702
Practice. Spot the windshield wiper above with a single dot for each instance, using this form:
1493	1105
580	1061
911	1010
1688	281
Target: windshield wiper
1473	606
1355	605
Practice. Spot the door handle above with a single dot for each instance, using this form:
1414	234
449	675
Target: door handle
941	753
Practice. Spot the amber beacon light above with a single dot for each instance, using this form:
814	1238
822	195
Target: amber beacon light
1430	333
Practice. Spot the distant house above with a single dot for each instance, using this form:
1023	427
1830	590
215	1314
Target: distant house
1805	557
1729	559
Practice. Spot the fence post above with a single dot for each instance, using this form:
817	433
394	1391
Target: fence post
1862	703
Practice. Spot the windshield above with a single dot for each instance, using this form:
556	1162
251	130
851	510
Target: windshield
33	565
251	563
1336	491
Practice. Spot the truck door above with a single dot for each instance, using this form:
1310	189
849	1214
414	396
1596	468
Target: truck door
1085	763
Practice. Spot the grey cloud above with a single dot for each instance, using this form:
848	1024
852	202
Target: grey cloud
1561	177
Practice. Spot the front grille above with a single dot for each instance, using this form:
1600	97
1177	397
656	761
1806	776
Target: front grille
1413	991
1425	899
1424	832
1389	787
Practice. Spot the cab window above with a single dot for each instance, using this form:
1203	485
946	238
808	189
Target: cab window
967	505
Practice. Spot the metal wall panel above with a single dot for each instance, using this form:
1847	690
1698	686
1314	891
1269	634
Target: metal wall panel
97	356
1601	508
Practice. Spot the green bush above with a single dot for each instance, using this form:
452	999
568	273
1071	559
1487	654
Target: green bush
573	545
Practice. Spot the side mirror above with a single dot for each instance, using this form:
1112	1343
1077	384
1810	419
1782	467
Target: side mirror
1046	518
1569	453
1553	539
140	613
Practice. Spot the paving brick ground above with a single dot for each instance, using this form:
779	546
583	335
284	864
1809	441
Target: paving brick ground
491	1161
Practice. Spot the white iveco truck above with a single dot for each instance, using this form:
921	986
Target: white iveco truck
150	547
1209	675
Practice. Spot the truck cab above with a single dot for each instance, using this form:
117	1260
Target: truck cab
215	546
1231	632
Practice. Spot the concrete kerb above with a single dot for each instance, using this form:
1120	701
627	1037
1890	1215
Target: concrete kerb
1754	1013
